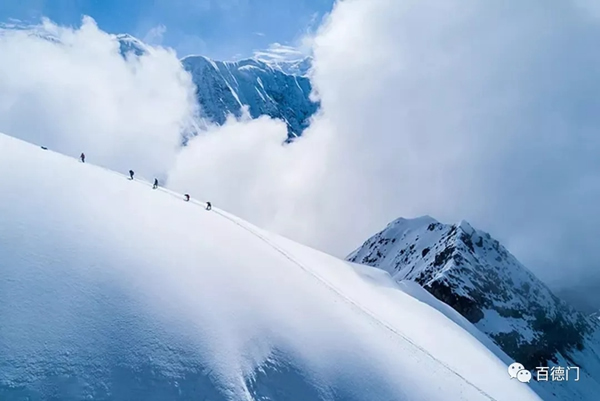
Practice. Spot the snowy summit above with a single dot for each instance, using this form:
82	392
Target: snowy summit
474	274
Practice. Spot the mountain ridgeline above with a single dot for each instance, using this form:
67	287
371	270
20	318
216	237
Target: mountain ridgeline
473	273
223	88
280	89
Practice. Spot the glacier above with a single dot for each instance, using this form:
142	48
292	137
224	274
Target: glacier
110	290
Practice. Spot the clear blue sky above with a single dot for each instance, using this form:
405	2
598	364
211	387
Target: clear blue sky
223	29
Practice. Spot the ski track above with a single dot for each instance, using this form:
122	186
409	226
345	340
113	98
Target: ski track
360	309
371	315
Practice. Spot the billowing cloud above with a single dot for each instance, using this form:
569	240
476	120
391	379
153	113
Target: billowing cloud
457	109
72	91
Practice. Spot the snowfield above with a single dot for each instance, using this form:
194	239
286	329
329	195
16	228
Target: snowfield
110	290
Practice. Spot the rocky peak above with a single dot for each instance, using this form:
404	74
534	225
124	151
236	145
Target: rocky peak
473	273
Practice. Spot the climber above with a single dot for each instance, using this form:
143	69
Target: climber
187	197
131	174
208	206
155	183
82	157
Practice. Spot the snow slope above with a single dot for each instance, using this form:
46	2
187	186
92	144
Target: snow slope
473	273
110	290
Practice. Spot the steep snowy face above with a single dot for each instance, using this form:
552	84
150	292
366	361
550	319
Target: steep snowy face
112	290
472	272
223	88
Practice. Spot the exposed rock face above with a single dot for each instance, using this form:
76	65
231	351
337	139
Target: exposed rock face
280	90
223	88
478	277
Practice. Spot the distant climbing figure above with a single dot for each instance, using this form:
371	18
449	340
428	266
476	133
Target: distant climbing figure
155	183
82	157
131	174
187	197
208	206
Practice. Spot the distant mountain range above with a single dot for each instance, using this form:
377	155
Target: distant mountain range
223	88
279	89
473	273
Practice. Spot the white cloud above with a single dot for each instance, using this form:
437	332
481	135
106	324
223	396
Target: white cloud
77	94
155	35
243	167
457	109
279	52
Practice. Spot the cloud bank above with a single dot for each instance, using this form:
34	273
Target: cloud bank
456	109
70	90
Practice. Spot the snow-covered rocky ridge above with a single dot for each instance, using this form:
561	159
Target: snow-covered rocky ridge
110	290
223	88
279	89
472	272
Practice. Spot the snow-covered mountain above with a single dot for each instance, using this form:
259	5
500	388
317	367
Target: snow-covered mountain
277	88
129	44
225	87
473	273
107	292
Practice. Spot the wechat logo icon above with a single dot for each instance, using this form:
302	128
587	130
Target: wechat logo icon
517	370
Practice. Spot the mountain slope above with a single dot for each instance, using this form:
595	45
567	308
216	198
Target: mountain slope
470	271
223	88
113	291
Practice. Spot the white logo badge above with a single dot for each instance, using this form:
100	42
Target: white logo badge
515	368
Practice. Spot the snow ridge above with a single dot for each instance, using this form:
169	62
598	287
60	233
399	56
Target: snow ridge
371	315
100	299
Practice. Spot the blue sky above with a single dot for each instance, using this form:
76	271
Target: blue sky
223	29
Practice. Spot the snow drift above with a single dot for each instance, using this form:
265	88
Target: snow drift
110	290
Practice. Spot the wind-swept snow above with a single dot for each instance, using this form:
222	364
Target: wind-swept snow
110	290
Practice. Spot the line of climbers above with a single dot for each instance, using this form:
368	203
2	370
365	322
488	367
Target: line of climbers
154	186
